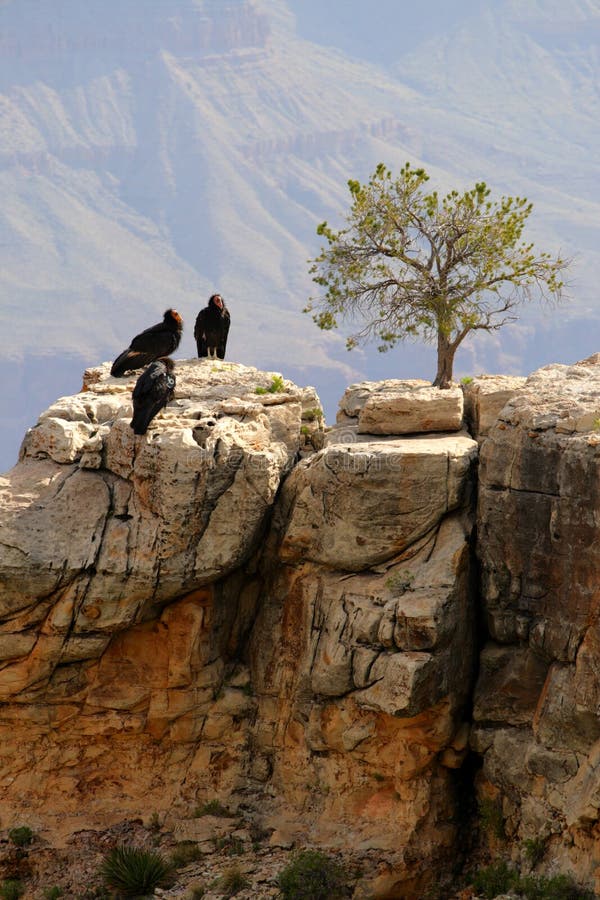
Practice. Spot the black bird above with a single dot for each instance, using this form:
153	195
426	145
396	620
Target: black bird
159	340
212	327
153	390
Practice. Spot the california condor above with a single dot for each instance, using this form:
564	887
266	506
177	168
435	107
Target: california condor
153	390
159	340
211	328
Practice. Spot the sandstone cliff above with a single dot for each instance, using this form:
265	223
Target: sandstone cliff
239	606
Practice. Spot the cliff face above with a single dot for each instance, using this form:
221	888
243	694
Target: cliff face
237	606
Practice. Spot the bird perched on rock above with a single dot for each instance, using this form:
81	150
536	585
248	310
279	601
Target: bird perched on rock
211	328
159	340
153	390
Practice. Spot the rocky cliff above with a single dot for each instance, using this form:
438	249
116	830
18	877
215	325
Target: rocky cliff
348	634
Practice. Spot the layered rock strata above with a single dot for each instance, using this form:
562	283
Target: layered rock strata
195	613
537	697
240	606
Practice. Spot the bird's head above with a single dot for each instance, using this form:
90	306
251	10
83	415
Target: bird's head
217	300
173	315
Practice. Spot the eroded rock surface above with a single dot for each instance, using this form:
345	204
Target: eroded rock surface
537	699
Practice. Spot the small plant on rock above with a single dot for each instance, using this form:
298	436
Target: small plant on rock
53	893
21	836
496	879
276	387
534	850
11	890
492	820
133	872
312	875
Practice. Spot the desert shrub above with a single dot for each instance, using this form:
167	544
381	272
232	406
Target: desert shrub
133	872
534	850
213	808
232	846
556	887
11	890
185	853
231	882
197	891
312	875
495	879
52	893
491	818
21	836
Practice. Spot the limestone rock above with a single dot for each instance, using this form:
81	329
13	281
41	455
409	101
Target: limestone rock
397	406
155	518
412	409
485	396
538	696
358	505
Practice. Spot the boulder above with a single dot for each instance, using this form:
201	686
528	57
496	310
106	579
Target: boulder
356	505
485	396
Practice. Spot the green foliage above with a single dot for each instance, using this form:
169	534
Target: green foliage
413	264
557	887
184	853
534	850
499	878
232	846
467	379
11	890
213	808
133	872
491	818
496	879
21	836
53	893
231	882
312	875
276	387
311	414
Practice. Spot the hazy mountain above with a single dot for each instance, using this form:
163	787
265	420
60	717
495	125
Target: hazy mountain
152	152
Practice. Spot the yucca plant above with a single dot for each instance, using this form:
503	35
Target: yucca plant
133	872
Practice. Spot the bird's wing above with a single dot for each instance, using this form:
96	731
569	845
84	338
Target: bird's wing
225	323
199	332
128	360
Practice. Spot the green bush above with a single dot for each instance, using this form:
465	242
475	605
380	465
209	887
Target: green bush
11	890
499	878
558	887
312	875
133	872
534	850
276	387
21	836
52	893
495	879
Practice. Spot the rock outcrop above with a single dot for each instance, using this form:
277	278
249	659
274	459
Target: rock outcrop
536	702
239	606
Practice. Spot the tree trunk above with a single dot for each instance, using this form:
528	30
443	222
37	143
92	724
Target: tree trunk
445	361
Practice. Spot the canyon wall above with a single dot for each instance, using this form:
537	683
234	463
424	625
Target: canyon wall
349	631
